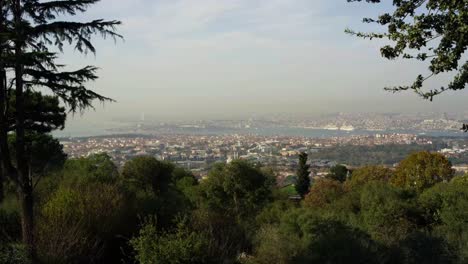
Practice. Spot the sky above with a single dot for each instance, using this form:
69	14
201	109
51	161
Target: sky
209	59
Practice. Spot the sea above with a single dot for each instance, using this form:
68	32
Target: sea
92	129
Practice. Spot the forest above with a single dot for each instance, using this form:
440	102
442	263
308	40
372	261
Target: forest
87	211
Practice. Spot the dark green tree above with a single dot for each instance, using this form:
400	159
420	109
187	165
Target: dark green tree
44	114
97	168
148	173
338	173
303	179
237	189
44	154
432	31
446	211
28	29
387	213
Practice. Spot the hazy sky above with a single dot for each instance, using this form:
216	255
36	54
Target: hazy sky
230	58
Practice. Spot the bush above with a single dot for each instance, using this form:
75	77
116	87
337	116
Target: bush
80	224
420	247
446	210
388	214
10	226
13	254
304	236
272	246
95	168
238	189
179	246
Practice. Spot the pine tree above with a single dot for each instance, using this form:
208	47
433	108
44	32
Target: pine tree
28	30
303	180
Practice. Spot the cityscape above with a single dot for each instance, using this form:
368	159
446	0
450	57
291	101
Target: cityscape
233	131
199	152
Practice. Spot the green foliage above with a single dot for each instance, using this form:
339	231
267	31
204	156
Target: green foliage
338	173
460	179
237	189
303	179
33	47
388	214
179	246
44	153
376	223
446	207
148	173
364	175
273	212
433	31
421	247
323	193
228	236
160	189
305	237
272	246
95	168
422	170
334	242
238	216
31	30
289	190
80	223
10	226
43	112
14	254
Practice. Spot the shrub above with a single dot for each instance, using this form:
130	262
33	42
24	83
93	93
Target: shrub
79	224
13	254
388	214
179	246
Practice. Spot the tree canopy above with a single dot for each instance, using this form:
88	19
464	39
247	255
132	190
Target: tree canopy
237	188
422	170
338	173
148	173
366	174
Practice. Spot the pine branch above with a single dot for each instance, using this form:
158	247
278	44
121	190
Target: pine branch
41	12
75	33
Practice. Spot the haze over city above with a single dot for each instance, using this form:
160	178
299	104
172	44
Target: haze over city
236	59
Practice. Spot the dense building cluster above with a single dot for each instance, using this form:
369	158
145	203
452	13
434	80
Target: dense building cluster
198	153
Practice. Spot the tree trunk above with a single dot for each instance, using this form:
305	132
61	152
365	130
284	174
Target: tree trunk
25	183
2	179
6	167
2	108
2	121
